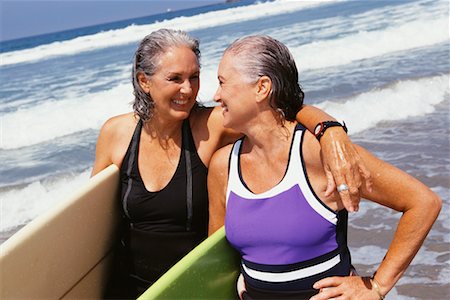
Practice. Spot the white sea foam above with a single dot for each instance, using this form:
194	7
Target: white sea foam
444	216
412	277
369	44
341	50
54	119
135	33
50	120
209	83
367	255
381	30
413	25
373	255
395	102
37	124
19	206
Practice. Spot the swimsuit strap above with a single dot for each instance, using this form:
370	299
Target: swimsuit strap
187	158
133	154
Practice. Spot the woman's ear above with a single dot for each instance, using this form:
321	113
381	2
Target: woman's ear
144	82
263	88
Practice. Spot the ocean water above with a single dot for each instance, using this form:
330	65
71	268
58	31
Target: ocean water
382	66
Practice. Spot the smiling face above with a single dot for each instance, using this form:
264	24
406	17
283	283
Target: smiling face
175	84
235	94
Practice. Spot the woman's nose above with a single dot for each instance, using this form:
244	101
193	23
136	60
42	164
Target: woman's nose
217	95
186	87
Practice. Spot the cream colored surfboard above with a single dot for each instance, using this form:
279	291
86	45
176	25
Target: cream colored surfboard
65	252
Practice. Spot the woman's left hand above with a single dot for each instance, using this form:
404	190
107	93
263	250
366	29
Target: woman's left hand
343	166
350	287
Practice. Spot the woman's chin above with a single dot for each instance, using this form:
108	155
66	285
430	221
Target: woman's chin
227	124
181	110
180	114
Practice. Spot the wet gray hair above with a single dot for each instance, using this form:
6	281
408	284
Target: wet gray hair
261	55
146	61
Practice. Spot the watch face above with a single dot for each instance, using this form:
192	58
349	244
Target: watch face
318	128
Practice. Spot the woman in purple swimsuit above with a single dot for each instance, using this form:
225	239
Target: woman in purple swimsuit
292	236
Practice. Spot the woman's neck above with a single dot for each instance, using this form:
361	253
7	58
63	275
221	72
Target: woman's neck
268	133
163	130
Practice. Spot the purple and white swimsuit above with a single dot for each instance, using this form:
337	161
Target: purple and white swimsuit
287	236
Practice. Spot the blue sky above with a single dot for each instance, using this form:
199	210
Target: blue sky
20	18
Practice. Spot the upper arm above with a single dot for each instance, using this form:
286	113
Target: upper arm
217	187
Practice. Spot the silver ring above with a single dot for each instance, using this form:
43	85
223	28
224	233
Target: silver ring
342	187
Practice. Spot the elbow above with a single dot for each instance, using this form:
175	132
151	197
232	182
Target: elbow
437	204
433	205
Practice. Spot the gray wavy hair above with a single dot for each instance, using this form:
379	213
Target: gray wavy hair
146	61
261	55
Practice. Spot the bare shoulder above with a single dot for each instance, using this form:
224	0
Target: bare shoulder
120	130
209	122
206	132
199	117
118	125
220	159
113	140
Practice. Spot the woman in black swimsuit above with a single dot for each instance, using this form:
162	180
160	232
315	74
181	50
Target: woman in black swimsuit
163	149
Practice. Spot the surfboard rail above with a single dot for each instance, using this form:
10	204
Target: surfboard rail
64	252
209	271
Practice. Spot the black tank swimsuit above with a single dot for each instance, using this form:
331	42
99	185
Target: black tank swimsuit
162	226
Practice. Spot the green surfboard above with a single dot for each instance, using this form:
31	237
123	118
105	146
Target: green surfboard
209	271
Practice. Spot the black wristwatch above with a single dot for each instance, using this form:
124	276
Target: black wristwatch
320	128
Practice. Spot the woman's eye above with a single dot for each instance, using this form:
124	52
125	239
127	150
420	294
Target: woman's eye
176	78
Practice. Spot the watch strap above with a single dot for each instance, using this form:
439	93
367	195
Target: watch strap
320	128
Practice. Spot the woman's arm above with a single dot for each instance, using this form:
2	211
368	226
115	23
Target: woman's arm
217	187
341	162
420	207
